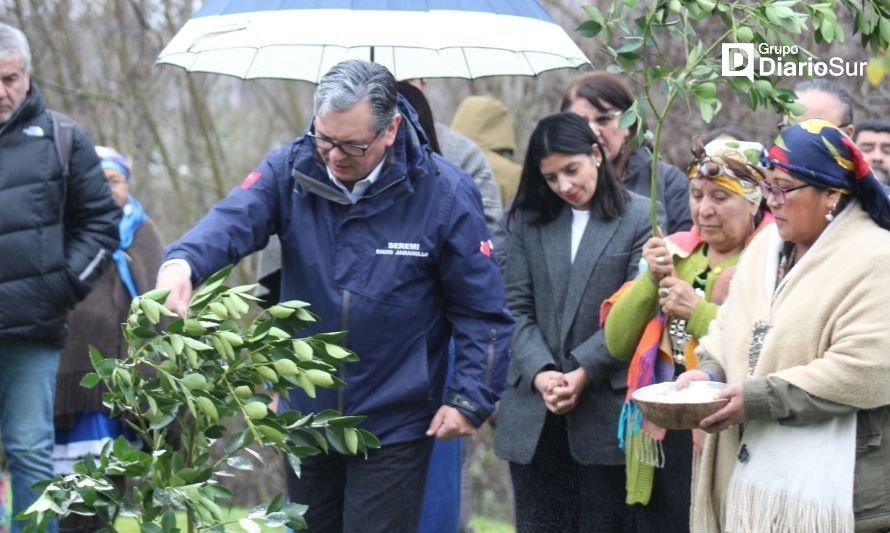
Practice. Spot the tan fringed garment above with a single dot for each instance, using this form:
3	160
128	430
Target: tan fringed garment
827	335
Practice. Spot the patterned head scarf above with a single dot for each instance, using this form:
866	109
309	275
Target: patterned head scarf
730	164
113	160
818	153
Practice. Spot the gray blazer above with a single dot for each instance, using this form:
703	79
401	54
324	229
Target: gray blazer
556	307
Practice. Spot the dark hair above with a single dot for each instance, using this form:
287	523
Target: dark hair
596	86
568	134
830	87
877	126
420	104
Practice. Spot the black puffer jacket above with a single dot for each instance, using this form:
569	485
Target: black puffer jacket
55	237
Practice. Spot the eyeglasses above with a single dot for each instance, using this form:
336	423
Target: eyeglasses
354	150
606	118
778	193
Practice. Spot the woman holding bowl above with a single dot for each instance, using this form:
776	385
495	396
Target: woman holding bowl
802	342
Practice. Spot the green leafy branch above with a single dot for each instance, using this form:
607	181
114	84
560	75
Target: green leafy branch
188	378
670	51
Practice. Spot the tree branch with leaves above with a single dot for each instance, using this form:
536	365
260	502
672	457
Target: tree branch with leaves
191	376
642	42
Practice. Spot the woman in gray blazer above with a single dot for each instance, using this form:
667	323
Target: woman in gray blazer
577	236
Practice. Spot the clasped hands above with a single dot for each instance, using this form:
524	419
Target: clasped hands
560	391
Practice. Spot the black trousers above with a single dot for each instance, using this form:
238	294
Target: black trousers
347	493
556	494
668	508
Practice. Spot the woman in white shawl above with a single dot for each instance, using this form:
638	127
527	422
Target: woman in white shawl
804	344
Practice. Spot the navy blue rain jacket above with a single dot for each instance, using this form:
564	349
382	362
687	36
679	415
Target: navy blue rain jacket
402	270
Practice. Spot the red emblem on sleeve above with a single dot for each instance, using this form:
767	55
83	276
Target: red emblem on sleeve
486	248
251	178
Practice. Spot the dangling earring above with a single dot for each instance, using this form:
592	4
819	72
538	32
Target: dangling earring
829	216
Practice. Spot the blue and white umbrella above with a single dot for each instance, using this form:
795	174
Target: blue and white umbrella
302	39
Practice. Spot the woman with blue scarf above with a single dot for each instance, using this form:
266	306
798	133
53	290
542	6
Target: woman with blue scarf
803	443
82	424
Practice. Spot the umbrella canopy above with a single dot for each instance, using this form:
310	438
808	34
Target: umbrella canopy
303	39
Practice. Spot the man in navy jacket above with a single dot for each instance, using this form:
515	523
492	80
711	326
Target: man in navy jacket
388	242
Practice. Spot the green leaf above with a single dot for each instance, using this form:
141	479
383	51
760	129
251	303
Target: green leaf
707	5
706	110
337	352
158	295
89	380
705	91
629	45
168	521
96	356
589	28
239	463
884	27
828	30
295	463
196	345
150	527
235	443
345	421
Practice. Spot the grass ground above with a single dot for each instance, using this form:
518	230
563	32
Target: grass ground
480	524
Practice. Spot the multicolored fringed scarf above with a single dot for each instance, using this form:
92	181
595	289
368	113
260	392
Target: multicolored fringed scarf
652	363
641	439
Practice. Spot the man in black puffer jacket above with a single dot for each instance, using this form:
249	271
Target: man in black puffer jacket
56	233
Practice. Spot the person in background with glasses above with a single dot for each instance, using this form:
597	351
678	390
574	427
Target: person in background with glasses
655	321
801	340
601	98
388	243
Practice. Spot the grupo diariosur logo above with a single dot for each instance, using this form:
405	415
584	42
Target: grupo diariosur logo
746	60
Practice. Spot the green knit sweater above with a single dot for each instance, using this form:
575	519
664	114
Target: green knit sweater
638	305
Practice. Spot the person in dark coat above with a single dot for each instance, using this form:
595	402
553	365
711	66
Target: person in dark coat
58	228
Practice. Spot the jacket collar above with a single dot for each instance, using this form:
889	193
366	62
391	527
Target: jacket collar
31	107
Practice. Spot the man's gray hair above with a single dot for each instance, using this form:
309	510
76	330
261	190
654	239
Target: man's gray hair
830	87
352	81
14	43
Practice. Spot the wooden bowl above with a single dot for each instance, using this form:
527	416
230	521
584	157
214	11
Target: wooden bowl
671	408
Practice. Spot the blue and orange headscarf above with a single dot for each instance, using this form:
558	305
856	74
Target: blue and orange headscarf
820	154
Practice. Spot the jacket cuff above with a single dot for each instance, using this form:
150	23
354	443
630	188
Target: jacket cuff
757	396
470	409
701	318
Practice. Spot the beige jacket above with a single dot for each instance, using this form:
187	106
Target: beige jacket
485	120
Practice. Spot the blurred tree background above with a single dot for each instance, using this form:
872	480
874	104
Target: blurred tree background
192	137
